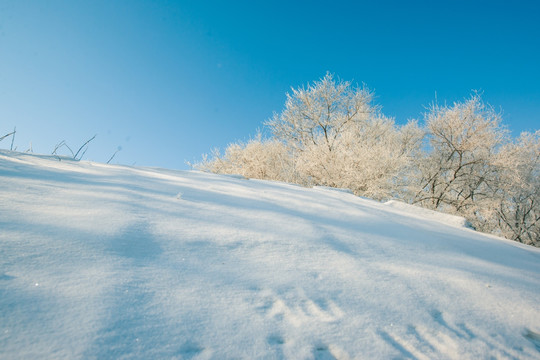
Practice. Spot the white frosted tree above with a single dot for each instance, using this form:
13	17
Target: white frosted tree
472	168
319	113
370	158
266	159
516	214
456	173
341	139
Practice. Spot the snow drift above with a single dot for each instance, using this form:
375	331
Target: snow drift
117	262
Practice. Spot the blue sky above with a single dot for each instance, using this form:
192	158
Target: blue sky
166	81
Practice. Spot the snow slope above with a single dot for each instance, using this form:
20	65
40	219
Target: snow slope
116	262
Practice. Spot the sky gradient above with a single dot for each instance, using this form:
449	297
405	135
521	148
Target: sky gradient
166	81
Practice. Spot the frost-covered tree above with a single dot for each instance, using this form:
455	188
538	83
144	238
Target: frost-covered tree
517	196
319	113
370	158
342	140
258	158
472	168
456	173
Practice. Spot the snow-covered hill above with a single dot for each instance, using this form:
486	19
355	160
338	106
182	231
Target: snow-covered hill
116	262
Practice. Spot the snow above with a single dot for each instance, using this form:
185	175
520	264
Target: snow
116	262
429	214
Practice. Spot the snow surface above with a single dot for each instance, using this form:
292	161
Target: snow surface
116	262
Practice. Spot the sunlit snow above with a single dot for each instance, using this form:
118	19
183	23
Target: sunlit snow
116	262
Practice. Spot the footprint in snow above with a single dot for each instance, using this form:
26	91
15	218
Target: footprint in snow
300	310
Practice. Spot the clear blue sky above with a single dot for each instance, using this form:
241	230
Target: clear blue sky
169	80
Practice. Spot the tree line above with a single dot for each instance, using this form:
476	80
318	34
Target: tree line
460	159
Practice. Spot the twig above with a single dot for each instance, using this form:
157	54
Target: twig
84	152
13	138
59	145
113	155
5	136
83	145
